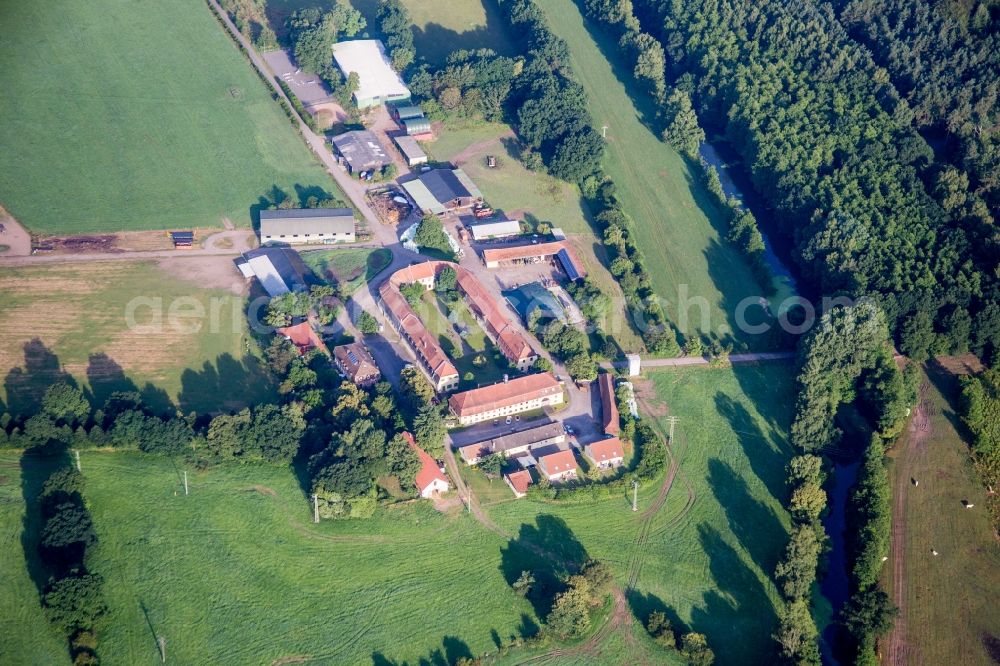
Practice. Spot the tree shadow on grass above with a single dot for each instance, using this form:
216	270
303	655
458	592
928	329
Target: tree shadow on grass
106	377
26	385
767	460
229	384
451	651
755	525
549	551
739	611
644	605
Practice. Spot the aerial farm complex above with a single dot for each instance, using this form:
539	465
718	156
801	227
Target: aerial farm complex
499	332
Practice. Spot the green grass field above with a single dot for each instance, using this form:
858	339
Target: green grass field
122	116
351	267
948	604
708	564
236	573
26	637
678	229
73	318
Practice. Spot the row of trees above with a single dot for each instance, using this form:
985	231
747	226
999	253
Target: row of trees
693	646
796	572
845	359
311	34
570	345
73	598
981	413
394	22
829	144
869	613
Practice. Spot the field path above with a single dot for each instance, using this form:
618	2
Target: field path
897	649
14	236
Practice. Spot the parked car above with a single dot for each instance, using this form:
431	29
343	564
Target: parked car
508	420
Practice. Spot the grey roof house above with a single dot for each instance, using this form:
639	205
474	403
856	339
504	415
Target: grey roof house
307	225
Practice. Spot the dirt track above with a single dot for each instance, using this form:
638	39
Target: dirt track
14	236
897	650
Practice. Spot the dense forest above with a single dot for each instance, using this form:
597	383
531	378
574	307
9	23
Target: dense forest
832	147
944	58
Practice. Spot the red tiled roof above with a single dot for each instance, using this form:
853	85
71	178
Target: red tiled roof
429	470
609	404
504	394
604	450
520	480
512	344
557	463
424	344
303	337
362	364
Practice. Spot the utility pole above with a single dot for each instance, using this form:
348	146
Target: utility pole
604	131
77	452
672	420
185	482
163	649
315	508
635	495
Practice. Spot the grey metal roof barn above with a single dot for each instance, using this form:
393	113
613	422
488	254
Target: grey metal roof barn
411	150
417	126
306	221
361	150
440	190
407	112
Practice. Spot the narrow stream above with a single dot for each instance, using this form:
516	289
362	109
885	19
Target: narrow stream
835	585
736	184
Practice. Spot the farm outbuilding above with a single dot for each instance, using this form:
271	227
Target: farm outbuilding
299	226
417	127
361	151
378	82
412	152
440	191
279	270
182	239
402	113
534	253
489	230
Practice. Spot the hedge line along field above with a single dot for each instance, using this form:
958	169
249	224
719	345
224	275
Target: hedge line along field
126	116
679	229
236	573
712	547
73	318
26	637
